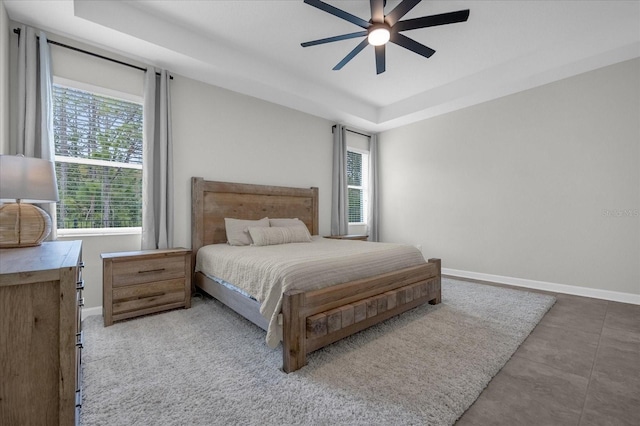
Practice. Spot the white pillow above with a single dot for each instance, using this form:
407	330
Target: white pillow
237	230
286	222
279	235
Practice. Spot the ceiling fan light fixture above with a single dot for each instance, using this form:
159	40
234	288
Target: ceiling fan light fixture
380	27
379	34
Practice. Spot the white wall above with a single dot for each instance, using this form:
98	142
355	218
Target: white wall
92	247
85	69
514	187
542	185
5	37
218	135
222	135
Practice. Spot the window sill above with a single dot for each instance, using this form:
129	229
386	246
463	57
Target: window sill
96	232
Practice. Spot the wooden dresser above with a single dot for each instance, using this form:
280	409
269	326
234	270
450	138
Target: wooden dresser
40	334
142	282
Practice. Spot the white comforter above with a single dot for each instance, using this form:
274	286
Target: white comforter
266	272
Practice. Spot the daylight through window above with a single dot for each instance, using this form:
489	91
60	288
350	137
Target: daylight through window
98	154
357	178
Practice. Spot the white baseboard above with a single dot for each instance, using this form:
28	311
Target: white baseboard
87	312
615	296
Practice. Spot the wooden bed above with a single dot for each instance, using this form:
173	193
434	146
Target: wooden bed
311	319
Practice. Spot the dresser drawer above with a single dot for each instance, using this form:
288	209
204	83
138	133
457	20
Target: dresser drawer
138	271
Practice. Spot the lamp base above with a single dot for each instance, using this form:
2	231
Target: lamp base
23	225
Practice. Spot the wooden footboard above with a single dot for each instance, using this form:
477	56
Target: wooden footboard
311	319
317	318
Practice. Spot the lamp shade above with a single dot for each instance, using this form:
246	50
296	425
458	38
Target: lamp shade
27	179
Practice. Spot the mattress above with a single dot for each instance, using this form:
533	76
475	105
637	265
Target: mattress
266	272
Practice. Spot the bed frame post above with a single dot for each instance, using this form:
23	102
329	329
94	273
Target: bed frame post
438	264
293	332
315	228
197	223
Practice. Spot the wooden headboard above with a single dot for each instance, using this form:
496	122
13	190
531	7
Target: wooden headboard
213	201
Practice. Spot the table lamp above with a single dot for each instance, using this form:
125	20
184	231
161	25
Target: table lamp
26	180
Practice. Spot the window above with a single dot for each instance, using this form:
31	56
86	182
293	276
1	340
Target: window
357	180
98	155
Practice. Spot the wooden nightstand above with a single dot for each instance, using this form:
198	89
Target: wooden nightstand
142	282
358	237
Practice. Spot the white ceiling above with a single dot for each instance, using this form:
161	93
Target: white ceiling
253	47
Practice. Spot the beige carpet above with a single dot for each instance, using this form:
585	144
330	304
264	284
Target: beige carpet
208	366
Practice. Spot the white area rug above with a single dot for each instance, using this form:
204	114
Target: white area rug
208	366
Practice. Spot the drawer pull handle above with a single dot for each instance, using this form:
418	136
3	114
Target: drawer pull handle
79	398
151	270
80	285
80	340
146	296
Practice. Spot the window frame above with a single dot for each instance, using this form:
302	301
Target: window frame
365	184
110	93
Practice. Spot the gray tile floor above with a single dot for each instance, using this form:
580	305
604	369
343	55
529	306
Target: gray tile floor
580	366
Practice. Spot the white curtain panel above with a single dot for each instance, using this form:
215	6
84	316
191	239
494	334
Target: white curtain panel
47	149
157	160
27	93
35	104
373	215
339	198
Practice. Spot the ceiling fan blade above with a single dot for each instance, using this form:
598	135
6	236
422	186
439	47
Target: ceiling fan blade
400	10
377	10
433	20
412	45
380	61
332	39
351	54
338	12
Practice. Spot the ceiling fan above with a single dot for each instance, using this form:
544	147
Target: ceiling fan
382	28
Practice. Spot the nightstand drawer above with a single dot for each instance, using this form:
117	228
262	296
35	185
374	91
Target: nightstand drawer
147	270
143	296
144	282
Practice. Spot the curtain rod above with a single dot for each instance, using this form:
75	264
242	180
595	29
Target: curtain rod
86	52
352	131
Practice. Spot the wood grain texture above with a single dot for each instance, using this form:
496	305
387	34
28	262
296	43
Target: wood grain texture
146	281
326	314
107	285
213	201
334	320
328	322
347	315
315	342
339	295
68	332
359	311
29	352
38	326
354	310
294	352
317	325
